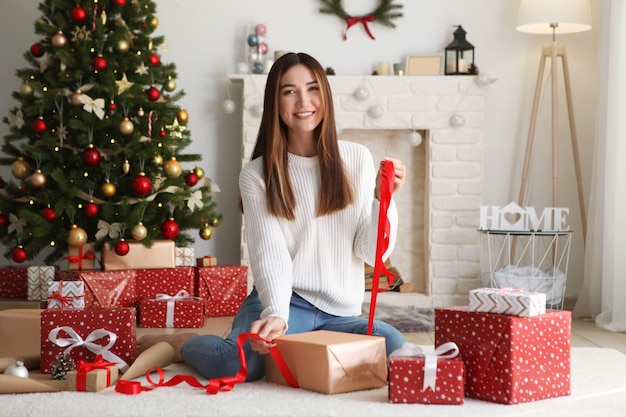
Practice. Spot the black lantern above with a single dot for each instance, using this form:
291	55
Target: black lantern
459	59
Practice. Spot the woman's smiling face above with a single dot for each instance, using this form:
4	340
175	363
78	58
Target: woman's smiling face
300	103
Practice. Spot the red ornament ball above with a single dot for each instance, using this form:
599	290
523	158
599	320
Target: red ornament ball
162	133
120	3
122	248
99	63
19	255
141	184
153	93
39	125
36	50
191	179
91	209
4	220
48	214
79	14
154	60
112	106
170	229
91	156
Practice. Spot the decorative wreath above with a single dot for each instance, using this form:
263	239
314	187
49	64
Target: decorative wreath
383	14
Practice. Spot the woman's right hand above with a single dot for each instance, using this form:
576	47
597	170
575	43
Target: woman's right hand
268	328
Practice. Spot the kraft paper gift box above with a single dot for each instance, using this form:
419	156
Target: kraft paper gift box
66	294
206	261
510	359
331	362
14	283
151	282
20	335
507	301
223	289
105	288
39	278
85	333
436	377
185	257
92	376
82	257
12	303
179	311
162	254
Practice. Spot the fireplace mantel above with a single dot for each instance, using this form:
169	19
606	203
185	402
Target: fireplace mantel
453	172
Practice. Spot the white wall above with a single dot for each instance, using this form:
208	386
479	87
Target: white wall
206	39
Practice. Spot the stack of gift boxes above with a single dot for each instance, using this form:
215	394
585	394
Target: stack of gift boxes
91	314
511	350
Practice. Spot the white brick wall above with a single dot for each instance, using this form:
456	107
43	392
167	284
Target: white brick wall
445	264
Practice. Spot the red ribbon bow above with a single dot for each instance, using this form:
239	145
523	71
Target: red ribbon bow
353	20
215	385
79	258
85	367
382	240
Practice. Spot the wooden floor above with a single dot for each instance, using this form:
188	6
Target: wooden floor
585	333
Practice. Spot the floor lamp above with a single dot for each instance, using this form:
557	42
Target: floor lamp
554	17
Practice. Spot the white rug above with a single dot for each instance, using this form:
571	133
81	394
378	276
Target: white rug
598	389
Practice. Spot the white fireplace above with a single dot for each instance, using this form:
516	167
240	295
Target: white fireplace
437	249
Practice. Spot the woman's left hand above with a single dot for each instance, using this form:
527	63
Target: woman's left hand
399	176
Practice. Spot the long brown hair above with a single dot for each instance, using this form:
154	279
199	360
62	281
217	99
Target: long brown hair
272	145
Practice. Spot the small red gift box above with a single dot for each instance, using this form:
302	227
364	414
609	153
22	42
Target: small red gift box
436	377
206	261
82	257
151	282
92	376
14	283
180	310
223	289
105	288
85	333
510	359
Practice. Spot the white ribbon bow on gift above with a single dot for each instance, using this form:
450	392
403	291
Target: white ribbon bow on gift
169	315
76	340
447	350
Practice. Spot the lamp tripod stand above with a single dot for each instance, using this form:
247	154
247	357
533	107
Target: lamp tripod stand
554	52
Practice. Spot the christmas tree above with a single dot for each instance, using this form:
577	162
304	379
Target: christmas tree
95	141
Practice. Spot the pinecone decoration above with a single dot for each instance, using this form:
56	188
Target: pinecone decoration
62	365
473	69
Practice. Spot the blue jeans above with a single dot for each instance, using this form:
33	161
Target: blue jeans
215	357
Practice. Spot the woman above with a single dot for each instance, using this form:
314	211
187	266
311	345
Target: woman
310	205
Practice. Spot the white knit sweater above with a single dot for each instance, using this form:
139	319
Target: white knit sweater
320	259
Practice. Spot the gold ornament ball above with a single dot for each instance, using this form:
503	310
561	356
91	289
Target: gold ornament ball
20	168
153	21
214	222
59	40
182	116
170	85
139	232
199	172
122	46
126	127
141	112
172	168
75	99
206	233
76	237
108	189
26	90
38	179
157	160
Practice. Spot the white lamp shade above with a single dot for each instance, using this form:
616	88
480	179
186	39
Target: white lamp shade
535	16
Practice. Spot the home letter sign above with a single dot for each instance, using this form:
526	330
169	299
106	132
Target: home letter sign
513	217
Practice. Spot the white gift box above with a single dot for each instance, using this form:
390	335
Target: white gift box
514	302
39	278
185	257
66	294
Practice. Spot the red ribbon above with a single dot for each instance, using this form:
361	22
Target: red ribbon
65	300
214	385
382	240
79	259
353	20
85	367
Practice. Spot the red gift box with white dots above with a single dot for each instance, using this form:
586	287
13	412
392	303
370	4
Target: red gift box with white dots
105	288
151	282
223	289
110	332
510	359
14	283
406	381
172	313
